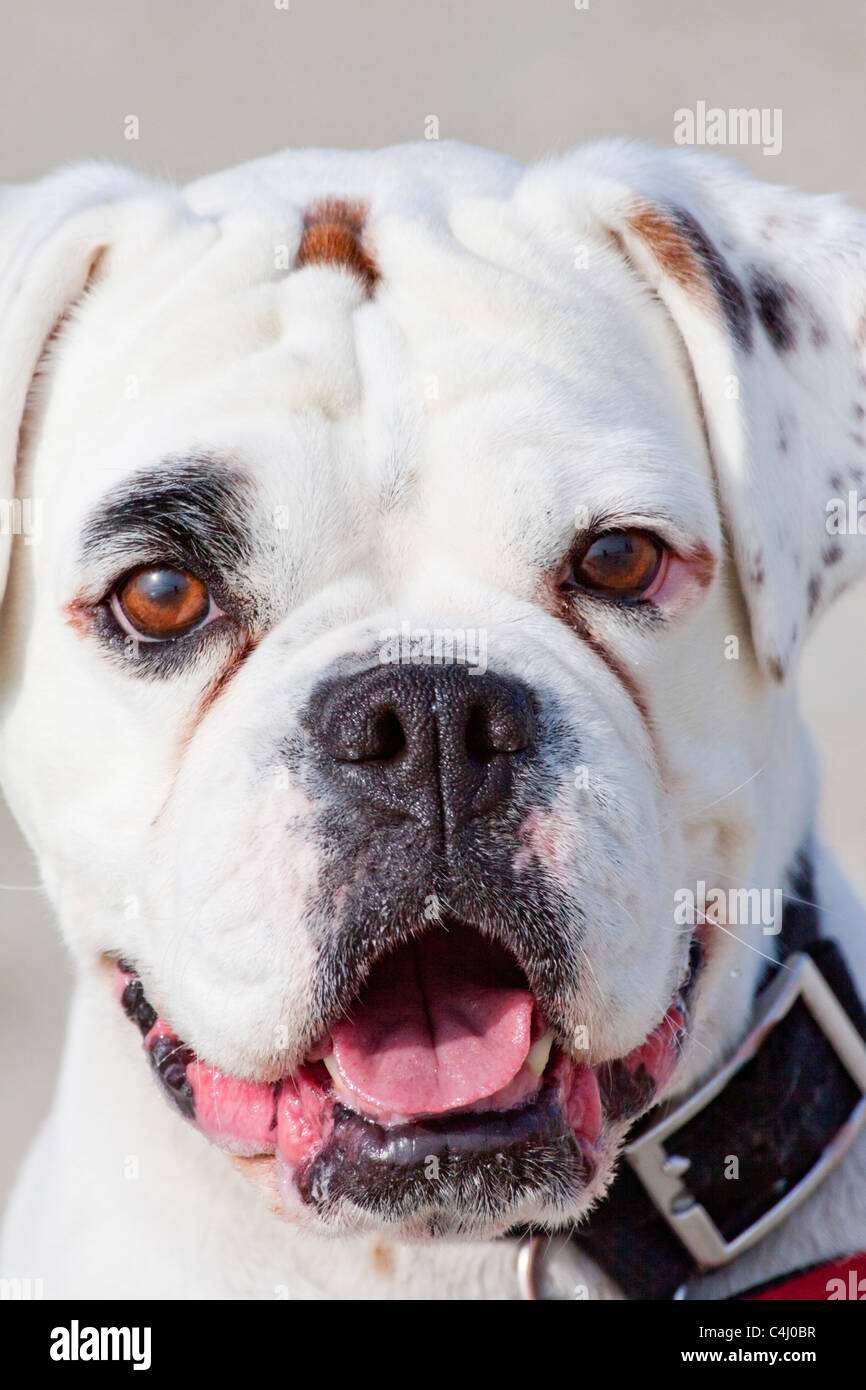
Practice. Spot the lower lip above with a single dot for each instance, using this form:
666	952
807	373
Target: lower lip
293	1119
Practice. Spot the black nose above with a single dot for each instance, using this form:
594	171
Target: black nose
438	744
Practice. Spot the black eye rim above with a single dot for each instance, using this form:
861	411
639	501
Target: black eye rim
570	584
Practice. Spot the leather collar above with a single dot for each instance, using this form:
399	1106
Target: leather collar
787	1105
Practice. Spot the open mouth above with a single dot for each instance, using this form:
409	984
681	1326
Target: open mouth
441	1088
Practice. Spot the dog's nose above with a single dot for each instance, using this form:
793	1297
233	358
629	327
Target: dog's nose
435	744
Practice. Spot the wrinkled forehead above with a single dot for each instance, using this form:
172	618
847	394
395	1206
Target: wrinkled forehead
459	375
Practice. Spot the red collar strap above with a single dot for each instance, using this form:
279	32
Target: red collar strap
839	1280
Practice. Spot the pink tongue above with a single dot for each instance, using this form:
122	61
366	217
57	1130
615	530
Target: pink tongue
440	1024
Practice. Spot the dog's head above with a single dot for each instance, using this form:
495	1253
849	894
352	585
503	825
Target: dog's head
411	557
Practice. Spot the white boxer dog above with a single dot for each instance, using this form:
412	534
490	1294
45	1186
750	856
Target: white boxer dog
410	557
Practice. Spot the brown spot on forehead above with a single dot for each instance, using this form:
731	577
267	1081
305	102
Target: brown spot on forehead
334	235
383	1261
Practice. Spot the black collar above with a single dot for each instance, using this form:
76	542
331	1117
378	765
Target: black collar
785	1109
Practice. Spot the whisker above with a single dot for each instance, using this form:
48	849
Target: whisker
772	959
733	791
791	897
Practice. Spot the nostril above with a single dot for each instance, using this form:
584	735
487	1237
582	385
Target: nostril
388	736
478	735
492	728
379	737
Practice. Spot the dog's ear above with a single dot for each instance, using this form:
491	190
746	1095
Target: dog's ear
52	235
767	288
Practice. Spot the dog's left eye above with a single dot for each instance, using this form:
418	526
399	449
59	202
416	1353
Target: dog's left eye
158	602
626	565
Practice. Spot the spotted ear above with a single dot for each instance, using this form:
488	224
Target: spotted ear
767	288
52	235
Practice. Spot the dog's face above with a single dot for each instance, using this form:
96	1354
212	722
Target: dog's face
370	689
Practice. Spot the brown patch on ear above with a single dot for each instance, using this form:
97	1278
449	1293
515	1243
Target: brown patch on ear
685	253
672	251
333	235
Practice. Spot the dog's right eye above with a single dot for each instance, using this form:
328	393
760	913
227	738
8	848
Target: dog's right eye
158	603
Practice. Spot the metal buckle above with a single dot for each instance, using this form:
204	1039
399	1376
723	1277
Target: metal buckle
661	1172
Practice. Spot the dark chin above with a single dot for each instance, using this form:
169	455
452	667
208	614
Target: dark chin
449	1175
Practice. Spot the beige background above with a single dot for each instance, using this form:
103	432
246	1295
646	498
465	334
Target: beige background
213	82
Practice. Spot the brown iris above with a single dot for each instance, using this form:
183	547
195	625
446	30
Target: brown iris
618	564
161	602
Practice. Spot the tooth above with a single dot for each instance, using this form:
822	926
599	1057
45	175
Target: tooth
334	1071
539	1054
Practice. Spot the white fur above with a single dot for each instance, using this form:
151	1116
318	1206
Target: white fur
426	452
